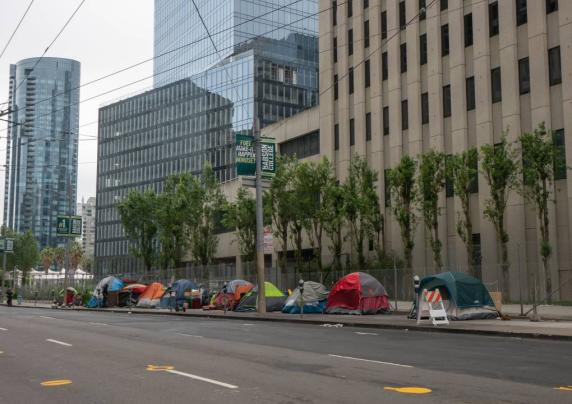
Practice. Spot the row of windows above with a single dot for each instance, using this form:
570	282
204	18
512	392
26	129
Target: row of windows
302	146
554	78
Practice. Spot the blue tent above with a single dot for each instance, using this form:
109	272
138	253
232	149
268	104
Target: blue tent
182	289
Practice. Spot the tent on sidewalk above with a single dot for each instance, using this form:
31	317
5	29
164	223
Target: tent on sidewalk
151	296
109	285
315	298
235	290
464	297
183	289
274	299
358	293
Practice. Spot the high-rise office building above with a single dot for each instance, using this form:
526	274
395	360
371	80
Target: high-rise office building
41	146
201	101
86	209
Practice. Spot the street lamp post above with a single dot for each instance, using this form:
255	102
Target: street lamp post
259	221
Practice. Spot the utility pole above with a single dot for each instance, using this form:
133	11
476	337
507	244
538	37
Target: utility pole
259	220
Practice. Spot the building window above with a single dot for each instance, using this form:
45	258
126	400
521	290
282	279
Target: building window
444	5
424	108
351	42
402	16
404	115
335	46
384	71
496	85
468	30
387	188
334	13
493	19
350	8
470	89
367	126
351	80
554	69
366	34
385	121
523	76
559	155
335	86
302	146
446	101
365	3
477	254
422	10
551	6
445	40
423	49
352	133
449	186
367	73
521	14
384	25
336	137
403	57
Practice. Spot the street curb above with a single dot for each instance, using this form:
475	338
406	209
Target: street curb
344	322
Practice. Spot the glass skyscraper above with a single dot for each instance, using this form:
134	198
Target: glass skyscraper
266	68
41	146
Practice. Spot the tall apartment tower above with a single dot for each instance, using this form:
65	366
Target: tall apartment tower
41	146
86	209
265	66
405	77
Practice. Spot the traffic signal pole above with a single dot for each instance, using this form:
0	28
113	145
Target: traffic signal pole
259	221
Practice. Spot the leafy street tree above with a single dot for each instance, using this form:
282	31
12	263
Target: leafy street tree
539	162
360	203
138	216
334	220
47	257
59	257
241	216
279	202
173	218
462	171
403	190
26	254
310	182
432	176
210	204
499	168
76	254
86	263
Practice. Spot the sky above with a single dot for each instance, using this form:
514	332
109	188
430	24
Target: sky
105	36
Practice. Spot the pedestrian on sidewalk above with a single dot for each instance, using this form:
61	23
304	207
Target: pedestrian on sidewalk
9	294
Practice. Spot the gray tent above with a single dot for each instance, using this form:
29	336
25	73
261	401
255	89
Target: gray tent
315	296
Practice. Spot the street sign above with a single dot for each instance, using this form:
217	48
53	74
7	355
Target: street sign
9	245
246	156
69	226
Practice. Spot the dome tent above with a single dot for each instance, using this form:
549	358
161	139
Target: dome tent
235	289
182	289
464	297
151	296
358	293
274	299
315	295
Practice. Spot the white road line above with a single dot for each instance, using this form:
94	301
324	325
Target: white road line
55	341
365	333
49	318
3	329
202	379
99	324
371	361
189	335
247	324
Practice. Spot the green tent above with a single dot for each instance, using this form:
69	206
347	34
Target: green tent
464	297
274	299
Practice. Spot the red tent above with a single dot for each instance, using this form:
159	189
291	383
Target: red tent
357	293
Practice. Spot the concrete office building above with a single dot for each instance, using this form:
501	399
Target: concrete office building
41	146
393	84
87	209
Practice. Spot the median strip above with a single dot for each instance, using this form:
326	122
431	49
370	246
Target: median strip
370	361
55	341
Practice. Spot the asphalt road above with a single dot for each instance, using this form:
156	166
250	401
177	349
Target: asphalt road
118	358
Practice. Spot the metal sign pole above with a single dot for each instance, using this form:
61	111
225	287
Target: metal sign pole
259	222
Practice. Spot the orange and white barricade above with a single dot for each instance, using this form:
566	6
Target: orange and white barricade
433	301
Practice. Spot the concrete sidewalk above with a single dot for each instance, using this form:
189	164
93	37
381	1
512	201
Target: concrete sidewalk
547	329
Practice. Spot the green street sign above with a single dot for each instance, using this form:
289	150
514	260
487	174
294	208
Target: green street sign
9	245
69	226
246	156
2	240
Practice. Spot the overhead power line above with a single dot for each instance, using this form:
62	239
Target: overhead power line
16	29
